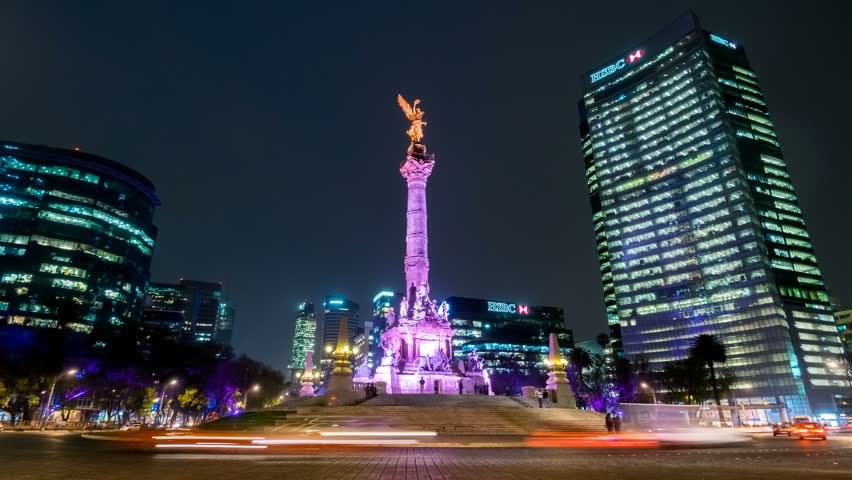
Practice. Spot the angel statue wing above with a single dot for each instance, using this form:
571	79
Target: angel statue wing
406	108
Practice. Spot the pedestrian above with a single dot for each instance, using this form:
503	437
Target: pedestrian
544	394
609	423
540	398
461	387
422	384
617	423
436	386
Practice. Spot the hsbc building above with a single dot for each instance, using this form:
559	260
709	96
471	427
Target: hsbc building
478	320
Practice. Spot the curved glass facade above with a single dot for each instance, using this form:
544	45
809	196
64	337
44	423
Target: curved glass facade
697	224
76	238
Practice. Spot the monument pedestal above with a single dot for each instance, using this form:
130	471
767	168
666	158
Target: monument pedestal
340	391
307	389
560	393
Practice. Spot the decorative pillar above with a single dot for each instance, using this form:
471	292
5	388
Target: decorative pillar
340	389
307	378
561	393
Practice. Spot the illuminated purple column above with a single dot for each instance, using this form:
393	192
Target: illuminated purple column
416	170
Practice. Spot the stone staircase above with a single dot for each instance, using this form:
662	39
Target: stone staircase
445	414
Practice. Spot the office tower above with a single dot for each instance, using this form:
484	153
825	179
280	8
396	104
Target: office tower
304	336
698	226
76	238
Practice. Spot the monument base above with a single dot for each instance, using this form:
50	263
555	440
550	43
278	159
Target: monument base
441	383
307	389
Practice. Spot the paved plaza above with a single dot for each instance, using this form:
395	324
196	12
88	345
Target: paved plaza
30	456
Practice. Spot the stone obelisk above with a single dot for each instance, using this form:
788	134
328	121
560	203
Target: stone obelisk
561	393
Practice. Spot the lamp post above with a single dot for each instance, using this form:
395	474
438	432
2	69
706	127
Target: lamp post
645	386
162	405
255	388
46	411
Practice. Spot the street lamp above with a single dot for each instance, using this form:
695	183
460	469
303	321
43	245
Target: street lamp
645	386
653	392
162	404
255	388
46	411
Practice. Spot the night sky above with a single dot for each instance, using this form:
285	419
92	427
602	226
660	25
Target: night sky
273	137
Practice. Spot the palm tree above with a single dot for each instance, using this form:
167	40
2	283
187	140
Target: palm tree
603	340
709	350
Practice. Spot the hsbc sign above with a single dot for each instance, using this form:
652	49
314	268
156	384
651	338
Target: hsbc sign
501	307
632	58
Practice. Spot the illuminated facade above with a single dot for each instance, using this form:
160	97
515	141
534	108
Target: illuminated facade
478	320
698	227
76	238
304	336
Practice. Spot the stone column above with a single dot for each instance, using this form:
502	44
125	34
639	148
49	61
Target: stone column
416	170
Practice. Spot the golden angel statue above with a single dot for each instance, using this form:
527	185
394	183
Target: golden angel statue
415	116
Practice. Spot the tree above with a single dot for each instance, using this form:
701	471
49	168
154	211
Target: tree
710	351
603	340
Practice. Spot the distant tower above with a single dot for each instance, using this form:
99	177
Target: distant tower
304	336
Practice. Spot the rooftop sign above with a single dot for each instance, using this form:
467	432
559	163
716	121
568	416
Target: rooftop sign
608	70
502	307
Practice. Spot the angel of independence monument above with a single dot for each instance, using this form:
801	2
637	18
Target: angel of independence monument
417	342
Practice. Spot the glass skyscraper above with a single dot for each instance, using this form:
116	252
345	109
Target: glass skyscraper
76	238
697	223
304	336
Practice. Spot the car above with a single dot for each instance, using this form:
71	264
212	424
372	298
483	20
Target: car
132	427
781	429
809	429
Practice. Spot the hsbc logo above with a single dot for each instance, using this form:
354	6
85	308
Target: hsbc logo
501	307
635	56
632	58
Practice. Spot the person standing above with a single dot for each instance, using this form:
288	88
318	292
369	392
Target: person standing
540	398
436	385
461	387
544	394
609	424
422	384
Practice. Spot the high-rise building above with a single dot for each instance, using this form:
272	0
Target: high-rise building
76	238
304	336
476	319
383	303
200	307
164	311
844	326
224	331
698	226
336	307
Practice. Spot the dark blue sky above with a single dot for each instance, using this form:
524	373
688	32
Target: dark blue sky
271	132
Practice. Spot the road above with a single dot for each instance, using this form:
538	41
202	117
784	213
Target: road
26	456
